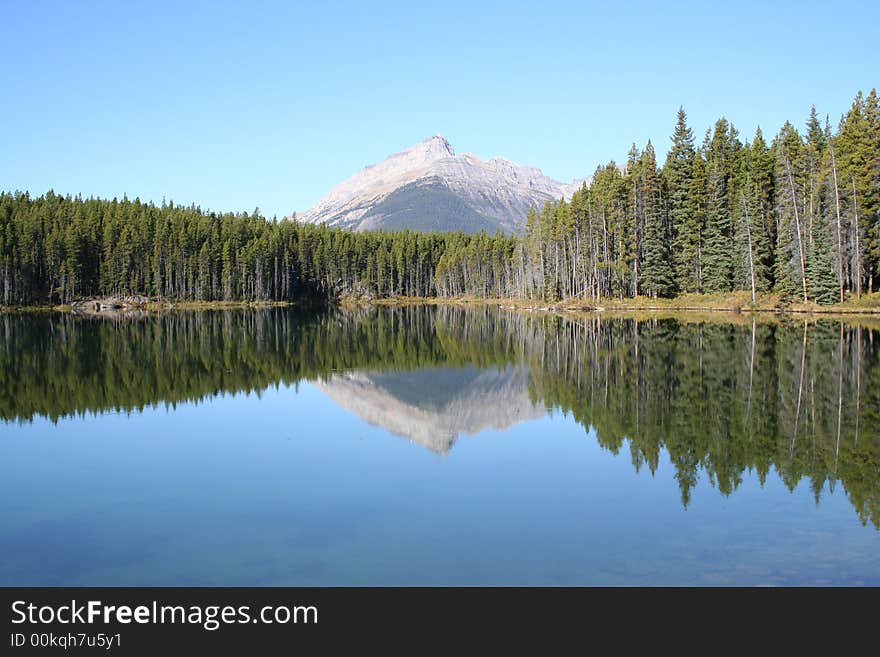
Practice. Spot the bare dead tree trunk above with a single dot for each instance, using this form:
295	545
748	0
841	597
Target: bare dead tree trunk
839	239
797	223
858	249
751	256
605	247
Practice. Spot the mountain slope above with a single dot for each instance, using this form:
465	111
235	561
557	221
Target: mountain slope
430	187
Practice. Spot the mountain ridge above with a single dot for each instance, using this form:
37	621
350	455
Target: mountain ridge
431	187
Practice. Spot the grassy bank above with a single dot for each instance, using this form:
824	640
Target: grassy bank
733	302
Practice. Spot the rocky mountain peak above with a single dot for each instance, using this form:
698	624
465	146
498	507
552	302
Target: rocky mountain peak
430	187
437	144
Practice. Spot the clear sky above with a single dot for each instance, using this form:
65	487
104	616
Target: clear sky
269	104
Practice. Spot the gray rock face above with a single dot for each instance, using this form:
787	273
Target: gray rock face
430	187
432	407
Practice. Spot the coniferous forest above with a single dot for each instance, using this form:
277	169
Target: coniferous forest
798	215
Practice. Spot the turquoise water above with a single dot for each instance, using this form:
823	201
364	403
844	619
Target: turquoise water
246	448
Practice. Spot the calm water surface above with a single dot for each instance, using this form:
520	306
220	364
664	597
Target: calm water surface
437	446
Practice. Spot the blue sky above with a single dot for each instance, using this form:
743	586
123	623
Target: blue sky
269	104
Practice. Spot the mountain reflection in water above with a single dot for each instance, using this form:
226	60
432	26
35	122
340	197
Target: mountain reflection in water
433	406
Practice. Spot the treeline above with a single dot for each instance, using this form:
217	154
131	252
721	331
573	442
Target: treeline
55	249
799	217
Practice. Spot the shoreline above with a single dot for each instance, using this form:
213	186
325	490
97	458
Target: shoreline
734	303
150	306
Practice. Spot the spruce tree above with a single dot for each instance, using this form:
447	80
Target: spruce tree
694	277
719	228
751	242
684	225
822	270
790	266
760	170
657	277
859	160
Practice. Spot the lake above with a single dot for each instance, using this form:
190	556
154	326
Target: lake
438	446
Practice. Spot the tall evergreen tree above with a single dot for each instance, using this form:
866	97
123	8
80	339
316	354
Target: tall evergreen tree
657	270
721	150
822	275
752	247
684	222
760	169
791	267
859	159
